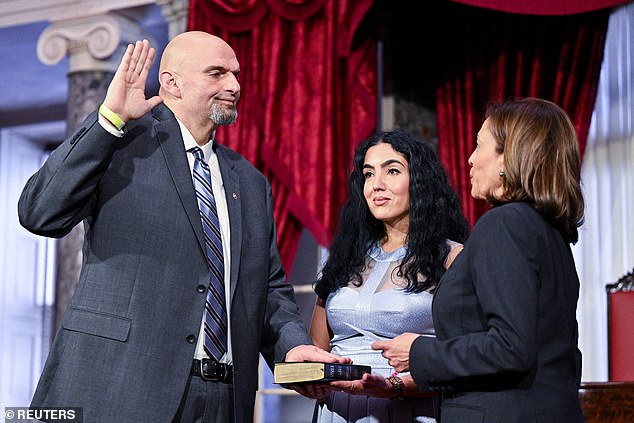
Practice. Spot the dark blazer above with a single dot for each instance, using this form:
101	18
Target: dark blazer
505	319
126	344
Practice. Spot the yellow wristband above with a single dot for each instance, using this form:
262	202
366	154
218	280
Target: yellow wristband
112	117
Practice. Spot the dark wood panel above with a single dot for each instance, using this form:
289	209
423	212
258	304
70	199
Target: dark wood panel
609	402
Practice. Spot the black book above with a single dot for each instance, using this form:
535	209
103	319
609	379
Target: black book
308	371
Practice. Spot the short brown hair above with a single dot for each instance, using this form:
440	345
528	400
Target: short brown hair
542	163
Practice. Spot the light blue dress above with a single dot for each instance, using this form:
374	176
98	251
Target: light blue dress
381	307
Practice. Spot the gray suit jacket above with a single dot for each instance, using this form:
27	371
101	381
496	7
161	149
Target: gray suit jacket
127	340
505	319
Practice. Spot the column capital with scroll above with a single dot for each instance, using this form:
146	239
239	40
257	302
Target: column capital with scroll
92	43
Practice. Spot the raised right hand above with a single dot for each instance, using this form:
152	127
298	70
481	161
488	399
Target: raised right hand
126	92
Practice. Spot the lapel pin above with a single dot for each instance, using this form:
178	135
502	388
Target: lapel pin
235	196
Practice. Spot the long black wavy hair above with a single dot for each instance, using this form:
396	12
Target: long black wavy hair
435	215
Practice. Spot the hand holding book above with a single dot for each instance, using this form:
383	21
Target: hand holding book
311	353
369	385
315	372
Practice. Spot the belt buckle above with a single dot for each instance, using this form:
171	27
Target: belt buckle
203	376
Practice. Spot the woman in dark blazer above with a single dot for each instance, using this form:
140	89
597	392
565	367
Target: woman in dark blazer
505	312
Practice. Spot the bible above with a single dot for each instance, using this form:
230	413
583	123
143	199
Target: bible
308	371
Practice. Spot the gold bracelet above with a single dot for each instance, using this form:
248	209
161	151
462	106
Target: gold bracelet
111	117
398	387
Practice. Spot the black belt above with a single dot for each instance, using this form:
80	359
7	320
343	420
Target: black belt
211	370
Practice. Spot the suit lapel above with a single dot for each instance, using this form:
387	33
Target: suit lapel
231	181
170	139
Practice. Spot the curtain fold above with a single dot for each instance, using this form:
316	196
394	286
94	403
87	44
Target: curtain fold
490	56
308	96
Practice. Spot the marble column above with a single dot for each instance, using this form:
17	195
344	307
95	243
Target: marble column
94	46
175	13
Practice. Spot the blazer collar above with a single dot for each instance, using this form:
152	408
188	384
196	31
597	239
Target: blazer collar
231	181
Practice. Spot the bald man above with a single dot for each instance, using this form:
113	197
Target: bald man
133	344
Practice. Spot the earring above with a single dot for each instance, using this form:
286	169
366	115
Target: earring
501	173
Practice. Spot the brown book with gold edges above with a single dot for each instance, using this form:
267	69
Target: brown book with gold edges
308	371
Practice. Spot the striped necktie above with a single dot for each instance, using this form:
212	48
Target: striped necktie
215	342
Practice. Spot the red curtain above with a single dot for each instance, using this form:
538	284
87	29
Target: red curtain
308	96
489	55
